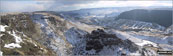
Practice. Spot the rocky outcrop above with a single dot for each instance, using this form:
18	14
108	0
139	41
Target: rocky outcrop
99	39
96	42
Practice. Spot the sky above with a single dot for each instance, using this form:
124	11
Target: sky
67	5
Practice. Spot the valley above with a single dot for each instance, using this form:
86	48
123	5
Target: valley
87	32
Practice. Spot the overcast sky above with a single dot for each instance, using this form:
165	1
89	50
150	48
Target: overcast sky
64	5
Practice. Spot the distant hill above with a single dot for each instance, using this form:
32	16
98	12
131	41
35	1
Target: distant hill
162	17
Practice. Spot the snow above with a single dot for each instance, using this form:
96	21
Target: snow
35	44
73	35
2	28
46	20
12	45
46	16
131	24
150	52
92	51
85	27
44	26
135	54
136	40
1	35
17	38
144	42
155	39
1	53
124	36
57	43
41	48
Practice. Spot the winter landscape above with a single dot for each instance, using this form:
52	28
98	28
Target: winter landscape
73	28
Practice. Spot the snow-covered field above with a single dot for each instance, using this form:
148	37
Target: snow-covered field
12	45
68	37
2	28
138	41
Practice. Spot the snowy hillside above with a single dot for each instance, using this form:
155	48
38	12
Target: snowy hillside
132	24
45	33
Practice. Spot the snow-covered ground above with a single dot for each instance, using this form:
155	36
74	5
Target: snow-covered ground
12	45
18	40
85	27
159	40
1	35
2	28
56	42
73	35
163	42
1	53
145	42
137	41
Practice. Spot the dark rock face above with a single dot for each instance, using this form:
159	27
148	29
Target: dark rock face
161	17
130	45
98	39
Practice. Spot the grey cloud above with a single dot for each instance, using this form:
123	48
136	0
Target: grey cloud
60	4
